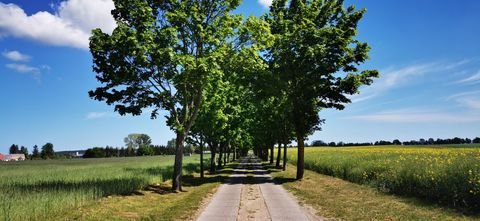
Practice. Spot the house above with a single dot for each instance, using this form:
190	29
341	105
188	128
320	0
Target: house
15	157
2	157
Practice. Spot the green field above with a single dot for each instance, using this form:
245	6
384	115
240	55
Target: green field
39	190
444	175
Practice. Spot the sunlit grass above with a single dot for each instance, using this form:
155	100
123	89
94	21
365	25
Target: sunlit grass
37	190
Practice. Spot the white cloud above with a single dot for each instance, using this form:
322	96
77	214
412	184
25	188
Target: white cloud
97	115
469	99
16	56
470	80
22	68
35	72
418	116
394	78
265	3
69	26
26	69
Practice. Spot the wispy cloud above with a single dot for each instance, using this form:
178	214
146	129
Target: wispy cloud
474	79
16	56
98	115
469	99
26	69
265	3
392	78
418	116
35	72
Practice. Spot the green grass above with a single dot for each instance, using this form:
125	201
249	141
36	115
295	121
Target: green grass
444	175
337	199
39	190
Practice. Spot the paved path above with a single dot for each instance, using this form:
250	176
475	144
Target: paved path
279	204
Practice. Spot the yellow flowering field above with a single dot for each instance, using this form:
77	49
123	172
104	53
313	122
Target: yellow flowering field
446	175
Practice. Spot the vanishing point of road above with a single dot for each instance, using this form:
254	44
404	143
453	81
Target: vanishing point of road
257	197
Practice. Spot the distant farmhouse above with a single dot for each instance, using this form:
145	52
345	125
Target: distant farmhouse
12	157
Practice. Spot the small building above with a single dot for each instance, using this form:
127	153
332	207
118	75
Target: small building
2	157
15	157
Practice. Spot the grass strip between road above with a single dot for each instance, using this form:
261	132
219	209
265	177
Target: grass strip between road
338	199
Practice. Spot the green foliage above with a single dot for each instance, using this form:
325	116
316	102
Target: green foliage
35	152
316	57
47	151
145	150
445	175
14	149
134	141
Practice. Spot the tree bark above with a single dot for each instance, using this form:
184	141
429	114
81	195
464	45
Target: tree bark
300	158
284	156
220	157
177	168
279	154
201	158
272	151
213	148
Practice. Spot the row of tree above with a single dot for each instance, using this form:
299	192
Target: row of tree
46	152
227	82
136	145
430	141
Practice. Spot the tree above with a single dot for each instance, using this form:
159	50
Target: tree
160	56
24	150
145	150
35	152
14	149
134	141
397	142
318	143
316	53
476	140
47	151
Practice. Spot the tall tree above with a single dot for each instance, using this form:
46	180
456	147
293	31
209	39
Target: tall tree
316	53
35	152
14	149
134	141
47	151
160	56
24	150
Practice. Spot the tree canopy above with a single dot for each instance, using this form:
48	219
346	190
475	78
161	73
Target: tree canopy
229	83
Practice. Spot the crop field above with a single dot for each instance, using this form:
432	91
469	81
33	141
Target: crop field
36	190
444	175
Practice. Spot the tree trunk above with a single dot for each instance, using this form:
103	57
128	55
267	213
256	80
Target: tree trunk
279	154
300	158
201	158
272	151
228	154
177	168
212	158
284	156
220	157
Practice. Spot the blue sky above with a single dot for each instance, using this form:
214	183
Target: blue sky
427	52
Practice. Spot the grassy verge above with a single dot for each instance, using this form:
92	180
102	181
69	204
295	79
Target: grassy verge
339	199
155	202
56	189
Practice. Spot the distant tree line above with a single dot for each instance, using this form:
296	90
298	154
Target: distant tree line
430	141
136	145
46	152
